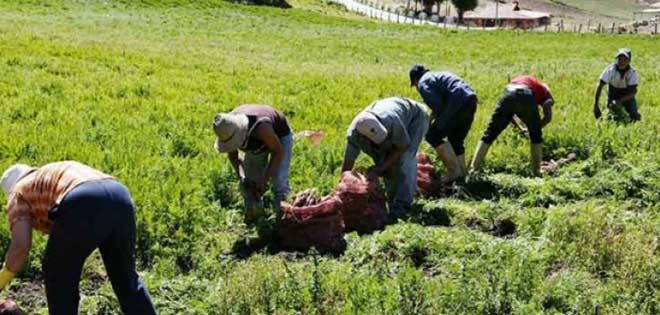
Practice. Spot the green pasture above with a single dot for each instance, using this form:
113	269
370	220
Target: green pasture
131	88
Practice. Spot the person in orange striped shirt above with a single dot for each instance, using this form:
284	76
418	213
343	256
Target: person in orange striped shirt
81	209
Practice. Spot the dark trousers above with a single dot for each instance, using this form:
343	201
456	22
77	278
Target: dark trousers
456	129
519	102
96	214
629	106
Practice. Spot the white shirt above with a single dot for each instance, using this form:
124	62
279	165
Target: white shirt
612	76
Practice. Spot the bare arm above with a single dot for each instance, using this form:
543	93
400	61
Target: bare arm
599	90
237	164
547	114
391	159
21	242
347	165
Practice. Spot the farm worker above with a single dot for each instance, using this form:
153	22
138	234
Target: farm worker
453	104
264	135
82	209
622	83
522	98
390	132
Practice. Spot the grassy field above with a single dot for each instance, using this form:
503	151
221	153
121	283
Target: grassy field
132	89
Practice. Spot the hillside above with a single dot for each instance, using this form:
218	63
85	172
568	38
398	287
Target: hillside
131	88
571	11
585	10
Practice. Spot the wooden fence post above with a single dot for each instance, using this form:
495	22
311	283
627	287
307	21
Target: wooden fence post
656	28
613	25
580	29
588	25
600	27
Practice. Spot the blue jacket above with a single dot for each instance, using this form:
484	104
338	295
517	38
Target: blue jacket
444	92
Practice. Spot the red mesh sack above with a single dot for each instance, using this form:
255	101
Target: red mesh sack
363	204
427	182
9	307
317	225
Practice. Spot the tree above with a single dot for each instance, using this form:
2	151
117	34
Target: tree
438	4
428	6
464	5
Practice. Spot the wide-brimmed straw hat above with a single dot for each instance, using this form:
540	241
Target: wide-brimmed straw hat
231	131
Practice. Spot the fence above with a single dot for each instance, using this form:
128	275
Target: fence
378	10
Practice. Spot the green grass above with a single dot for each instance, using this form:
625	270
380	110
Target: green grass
132	88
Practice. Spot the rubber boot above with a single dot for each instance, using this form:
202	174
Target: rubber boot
479	155
449	159
536	158
462	165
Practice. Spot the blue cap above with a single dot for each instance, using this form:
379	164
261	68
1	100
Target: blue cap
416	72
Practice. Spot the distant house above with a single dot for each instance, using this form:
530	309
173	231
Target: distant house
506	15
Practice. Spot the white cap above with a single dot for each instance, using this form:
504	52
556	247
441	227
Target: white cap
626	52
368	125
12	175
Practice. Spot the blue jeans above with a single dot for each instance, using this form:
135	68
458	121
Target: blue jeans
96	214
401	180
255	164
630	107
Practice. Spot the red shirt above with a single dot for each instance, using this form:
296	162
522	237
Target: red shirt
539	90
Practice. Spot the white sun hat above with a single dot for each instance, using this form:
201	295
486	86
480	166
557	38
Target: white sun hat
231	131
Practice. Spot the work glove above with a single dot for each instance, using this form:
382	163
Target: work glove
5	277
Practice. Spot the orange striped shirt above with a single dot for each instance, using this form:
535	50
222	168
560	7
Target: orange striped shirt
35	195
